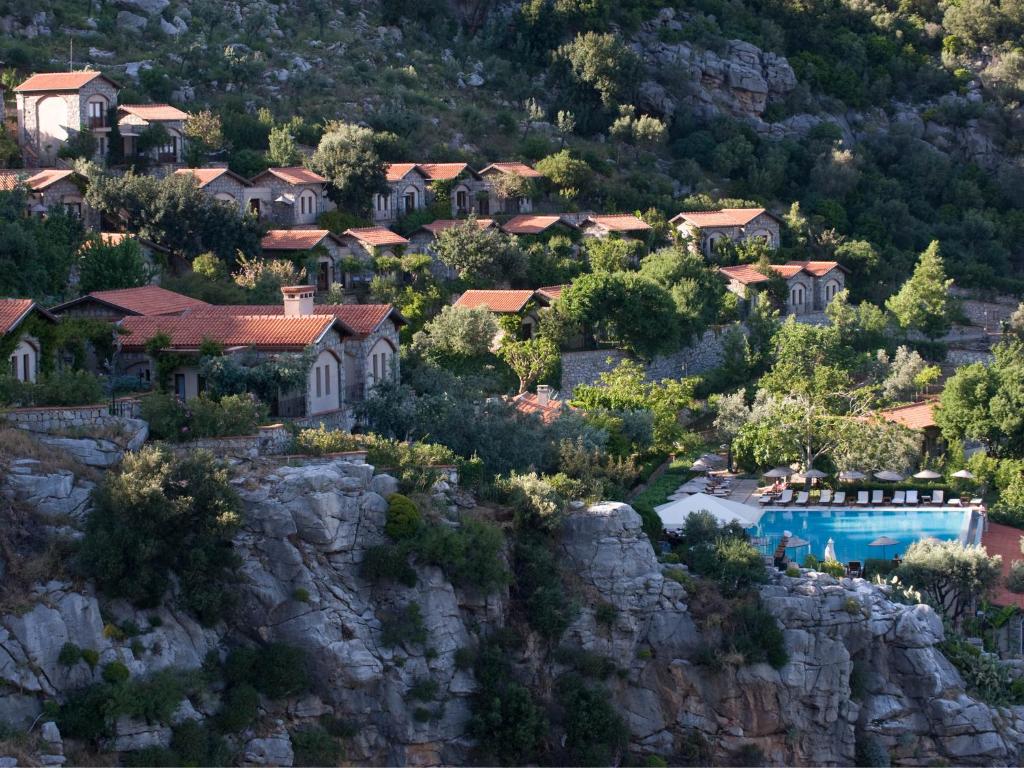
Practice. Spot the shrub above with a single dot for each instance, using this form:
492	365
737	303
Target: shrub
276	670
70	654
301	595
423	689
403	626
538	584
853	606
734	563
587	663
170	419
388	561
422	715
470	555
91	657
195	744
832	568
314	746
606	613
238	709
755	633
1015	578
152	757
68	388
115	672
403	518
793	572
162	516
594	731
870	752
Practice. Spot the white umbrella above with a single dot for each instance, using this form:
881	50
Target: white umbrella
883	542
815	474
674	514
830	550
778	472
795	542
851	474
888	476
964	474
927	474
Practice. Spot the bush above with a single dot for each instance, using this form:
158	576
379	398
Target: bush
403	518
755	633
832	568
538	584
594	731
1015	578
471	555
793	572
388	561
870	751
159	517
424	689
195	744
70	654
115	672
68	388
276	670
606	613
238	709
403	627
314	746
734	563
170	419
152	757
91	657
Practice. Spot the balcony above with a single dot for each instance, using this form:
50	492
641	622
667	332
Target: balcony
98	121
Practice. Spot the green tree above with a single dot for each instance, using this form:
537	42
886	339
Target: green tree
923	303
36	254
952	578
205	135
161	519
481	257
530	360
565	171
107	266
613	254
457	334
347	156
603	62
283	150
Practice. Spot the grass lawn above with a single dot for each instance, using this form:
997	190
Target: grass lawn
657	493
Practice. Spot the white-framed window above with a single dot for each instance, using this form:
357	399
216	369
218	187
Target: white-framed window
796	296
307	203
382	203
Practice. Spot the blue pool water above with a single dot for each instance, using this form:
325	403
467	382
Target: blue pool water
853	529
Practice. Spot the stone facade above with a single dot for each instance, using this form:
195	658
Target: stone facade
47	119
268	441
131	126
230	189
699	357
287	205
764	226
59	418
404	196
383	342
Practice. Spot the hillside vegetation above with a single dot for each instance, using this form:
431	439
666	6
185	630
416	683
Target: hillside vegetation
891	125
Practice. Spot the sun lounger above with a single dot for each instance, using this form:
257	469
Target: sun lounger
938	497
786	496
826	496
954	502
876	497
899	497
839	498
862	498
977	501
765	498
912	498
802	497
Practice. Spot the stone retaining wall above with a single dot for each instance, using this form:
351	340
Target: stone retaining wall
268	441
340	419
58	418
699	357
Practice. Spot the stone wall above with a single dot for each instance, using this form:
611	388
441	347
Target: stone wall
339	419
268	441
699	357
58	418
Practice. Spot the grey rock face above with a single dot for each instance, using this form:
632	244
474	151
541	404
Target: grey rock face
274	750
131	21
148	7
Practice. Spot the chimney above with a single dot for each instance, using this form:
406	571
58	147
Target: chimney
298	300
543	394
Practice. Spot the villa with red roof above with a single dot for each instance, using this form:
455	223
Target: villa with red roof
23	361
407	193
54	106
149	300
422	241
811	285
331	250
133	120
524	303
52	189
618	224
735	225
290	197
221	184
536	224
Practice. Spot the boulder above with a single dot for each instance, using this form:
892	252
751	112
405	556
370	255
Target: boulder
131	735
132	22
148	7
273	750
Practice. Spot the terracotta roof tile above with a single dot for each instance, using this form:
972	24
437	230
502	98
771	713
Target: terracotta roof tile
271	332
519	169
361	319
744	273
204	176
148	300
915	416
552	292
61	81
296	174
443	171
620	222
398	171
376	236
442	224
293	239
43	179
529	224
501	302
12	312
528	403
154	111
819	268
788	270
11	179
726	217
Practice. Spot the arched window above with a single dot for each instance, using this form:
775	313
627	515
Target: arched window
796	296
410	199
379	363
96	112
382	203
225	197
831	289
325	383
307	204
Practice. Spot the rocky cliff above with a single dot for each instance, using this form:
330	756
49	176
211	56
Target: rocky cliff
861	669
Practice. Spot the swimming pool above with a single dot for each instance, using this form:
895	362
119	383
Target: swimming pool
853	529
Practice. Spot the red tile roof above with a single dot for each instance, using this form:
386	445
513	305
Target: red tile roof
620	222
398	171
204	176
788	270
270	332
528	403
915	416
1003	540
726	217
12	312
43	179
443	171
501	302
519	169
154	111
529	224
440	225
295	174
293	239
552	292
744	273
147	300
360	319
749	275
61	81
821	268
376	236
10	179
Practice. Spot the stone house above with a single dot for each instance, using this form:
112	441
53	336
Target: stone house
331	252
810	285
919	417
522	303
148	300
24	358
52	189
422	240
495	201
289	197
54	106
134	119
371	344
369	243
407	192
735	225
222	184
532	225
619	225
